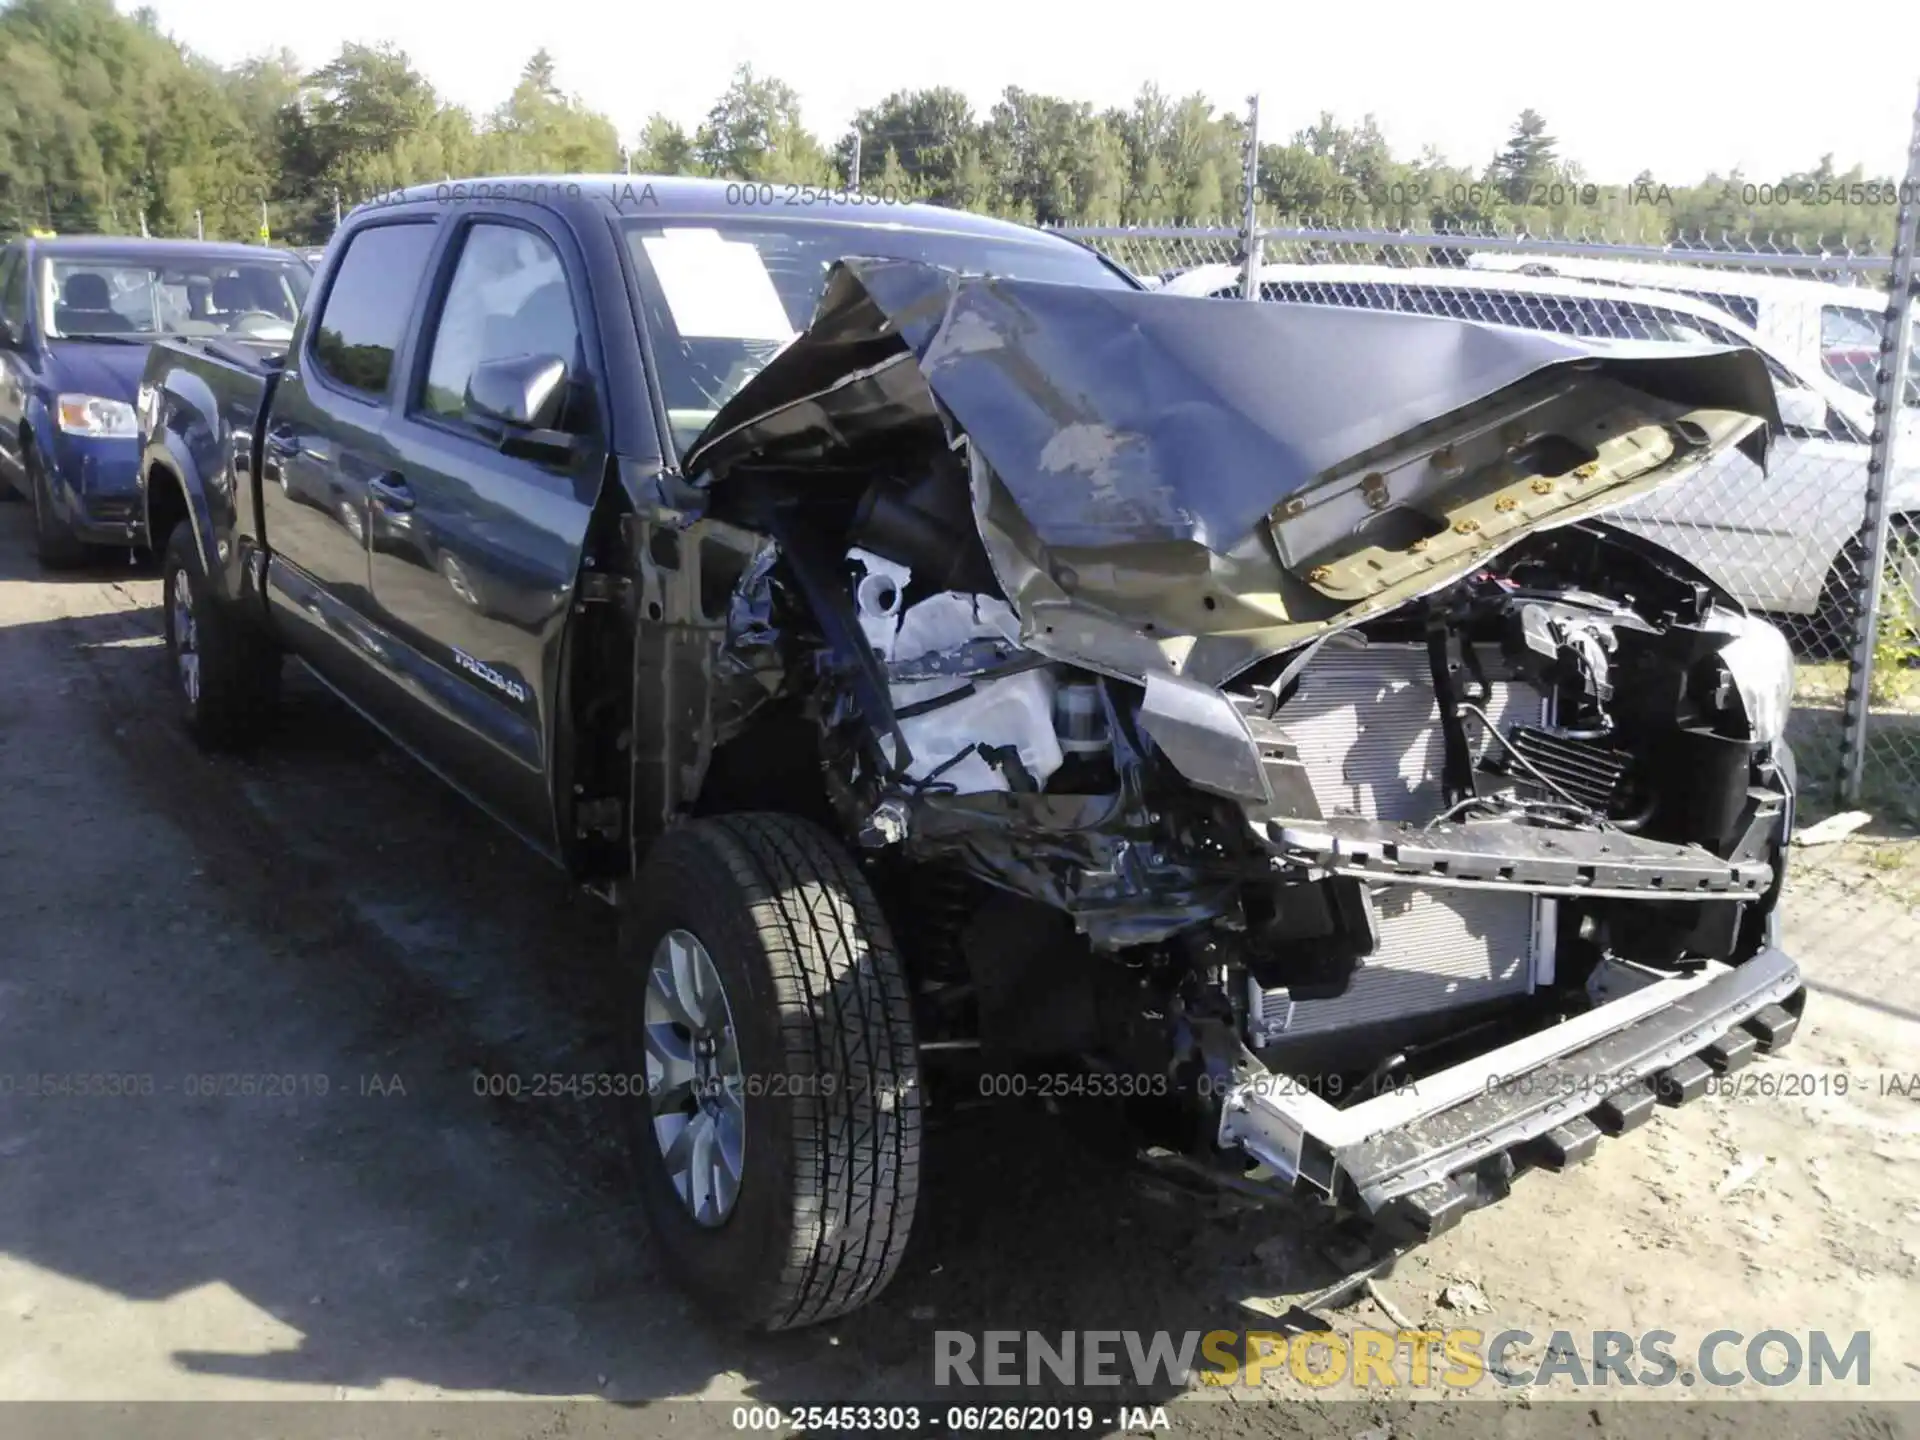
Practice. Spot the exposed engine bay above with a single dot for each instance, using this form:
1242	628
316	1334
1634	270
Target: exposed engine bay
1340	781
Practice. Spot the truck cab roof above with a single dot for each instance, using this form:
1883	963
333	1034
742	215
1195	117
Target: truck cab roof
680	197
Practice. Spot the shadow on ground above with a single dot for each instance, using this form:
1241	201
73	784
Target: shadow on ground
322	910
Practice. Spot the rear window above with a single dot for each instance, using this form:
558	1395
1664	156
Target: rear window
1743	308
367	306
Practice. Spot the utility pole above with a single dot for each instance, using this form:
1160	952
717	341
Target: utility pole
1250	182
626	159
265	234
199	226
853	175
336	207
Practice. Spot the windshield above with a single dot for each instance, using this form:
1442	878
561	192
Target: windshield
723	296
110	297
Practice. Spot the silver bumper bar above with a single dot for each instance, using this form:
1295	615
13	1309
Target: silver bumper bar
1601	1071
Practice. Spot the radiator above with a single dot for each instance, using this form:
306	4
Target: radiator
1368	727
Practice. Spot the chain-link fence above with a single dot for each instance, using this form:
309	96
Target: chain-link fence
1825	541
1793	542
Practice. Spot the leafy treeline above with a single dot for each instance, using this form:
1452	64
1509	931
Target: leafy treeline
106	124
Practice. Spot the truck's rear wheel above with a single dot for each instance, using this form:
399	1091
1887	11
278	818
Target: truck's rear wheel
777	1150
226	674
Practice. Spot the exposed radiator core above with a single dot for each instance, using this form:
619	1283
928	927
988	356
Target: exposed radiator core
1368	727
1591	771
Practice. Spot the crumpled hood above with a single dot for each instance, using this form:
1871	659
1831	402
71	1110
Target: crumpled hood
1151	446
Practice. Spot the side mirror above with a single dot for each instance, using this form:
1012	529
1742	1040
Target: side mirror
521	392
1803	411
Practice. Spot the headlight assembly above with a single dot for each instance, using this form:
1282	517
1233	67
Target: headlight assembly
1760	665
96	417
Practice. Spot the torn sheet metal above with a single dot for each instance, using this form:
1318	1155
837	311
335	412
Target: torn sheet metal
1130	417
1171	485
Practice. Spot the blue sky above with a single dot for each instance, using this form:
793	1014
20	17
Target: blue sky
1624	85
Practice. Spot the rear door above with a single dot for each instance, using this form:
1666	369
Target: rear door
476	541
326	442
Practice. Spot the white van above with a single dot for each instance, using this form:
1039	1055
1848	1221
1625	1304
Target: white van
1786	542
1835	328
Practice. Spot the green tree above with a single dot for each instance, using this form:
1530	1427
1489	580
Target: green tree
664	149
754	132
106	124
1530	156
1054	161
539	129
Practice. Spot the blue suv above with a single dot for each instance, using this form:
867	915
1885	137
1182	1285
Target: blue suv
76	316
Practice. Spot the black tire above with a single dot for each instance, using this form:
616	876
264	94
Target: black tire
819	1006
54	547
1833	622
236	688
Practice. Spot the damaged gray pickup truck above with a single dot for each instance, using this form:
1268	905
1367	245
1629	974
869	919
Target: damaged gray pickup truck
961	664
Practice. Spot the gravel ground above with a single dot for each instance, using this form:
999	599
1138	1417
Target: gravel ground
324	912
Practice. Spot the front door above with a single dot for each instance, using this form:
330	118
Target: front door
474	549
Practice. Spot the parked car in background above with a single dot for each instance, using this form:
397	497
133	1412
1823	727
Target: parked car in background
76	316
1821	325
1787	541
947	652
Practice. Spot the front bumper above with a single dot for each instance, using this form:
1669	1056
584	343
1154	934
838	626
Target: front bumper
1420	1157
96	489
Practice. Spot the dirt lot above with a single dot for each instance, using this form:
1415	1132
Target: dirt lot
325	912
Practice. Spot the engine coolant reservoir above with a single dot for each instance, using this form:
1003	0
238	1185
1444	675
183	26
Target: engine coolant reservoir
1010	718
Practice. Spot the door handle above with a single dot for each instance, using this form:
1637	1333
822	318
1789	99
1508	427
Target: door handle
390	493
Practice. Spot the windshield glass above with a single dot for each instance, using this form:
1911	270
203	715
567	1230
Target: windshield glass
110	296
723	296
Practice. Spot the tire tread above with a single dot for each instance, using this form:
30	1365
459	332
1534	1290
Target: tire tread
844	1011
239	665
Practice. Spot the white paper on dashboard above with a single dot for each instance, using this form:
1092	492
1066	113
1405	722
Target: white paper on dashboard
717	289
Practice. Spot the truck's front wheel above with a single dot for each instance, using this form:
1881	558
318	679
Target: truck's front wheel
778	1144
225	673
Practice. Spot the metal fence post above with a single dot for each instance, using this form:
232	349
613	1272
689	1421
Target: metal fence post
1250	192
1889	393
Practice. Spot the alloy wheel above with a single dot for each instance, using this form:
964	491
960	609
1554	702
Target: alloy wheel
695	1084
186	636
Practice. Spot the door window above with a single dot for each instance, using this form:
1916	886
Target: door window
509	298
366	309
